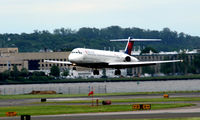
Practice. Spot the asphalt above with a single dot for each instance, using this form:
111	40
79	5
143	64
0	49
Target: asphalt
25	102
177	113
193	111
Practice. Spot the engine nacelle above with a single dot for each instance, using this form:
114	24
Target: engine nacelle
127	59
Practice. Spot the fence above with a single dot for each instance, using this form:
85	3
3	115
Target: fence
59	89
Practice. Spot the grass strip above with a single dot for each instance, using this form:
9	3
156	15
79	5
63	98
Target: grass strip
72	109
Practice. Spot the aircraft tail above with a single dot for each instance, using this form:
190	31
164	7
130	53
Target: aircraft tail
129	47
130	43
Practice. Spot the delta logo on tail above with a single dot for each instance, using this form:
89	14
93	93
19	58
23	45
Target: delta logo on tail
129	47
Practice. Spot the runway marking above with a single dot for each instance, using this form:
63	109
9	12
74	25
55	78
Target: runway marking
192	110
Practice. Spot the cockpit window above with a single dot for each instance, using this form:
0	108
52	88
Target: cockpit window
77	52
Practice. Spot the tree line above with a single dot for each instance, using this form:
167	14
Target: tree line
24	75
65	39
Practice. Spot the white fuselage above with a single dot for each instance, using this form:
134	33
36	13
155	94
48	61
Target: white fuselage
92	56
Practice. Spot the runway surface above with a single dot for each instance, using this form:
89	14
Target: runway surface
21	102
170	113
193	111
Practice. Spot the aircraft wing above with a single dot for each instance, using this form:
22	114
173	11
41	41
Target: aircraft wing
60	62
141	63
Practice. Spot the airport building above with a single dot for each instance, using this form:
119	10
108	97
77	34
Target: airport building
162	56
35	61
29	60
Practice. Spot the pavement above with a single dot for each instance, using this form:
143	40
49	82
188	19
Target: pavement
193	111
169	113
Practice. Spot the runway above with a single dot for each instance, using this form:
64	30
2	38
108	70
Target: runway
21	102
128	115
170	113
193	111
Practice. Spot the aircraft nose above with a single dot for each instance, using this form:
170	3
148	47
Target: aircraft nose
74	58
71	57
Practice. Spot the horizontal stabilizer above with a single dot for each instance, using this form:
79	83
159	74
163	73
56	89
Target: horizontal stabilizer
138	40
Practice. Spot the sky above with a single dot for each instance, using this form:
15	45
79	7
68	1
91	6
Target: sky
17	16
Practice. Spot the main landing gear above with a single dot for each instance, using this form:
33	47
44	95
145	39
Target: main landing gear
74	68
117	72
95	72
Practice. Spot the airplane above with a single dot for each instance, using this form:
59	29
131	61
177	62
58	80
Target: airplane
96	59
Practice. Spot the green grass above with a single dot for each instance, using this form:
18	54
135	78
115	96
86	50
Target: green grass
82	95
71	109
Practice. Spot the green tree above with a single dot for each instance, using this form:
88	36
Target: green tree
104	73
39	73
196	63
15	72
5	75
97	38
183	66
24	72
148	69
55	71
148	49
167	68
65	72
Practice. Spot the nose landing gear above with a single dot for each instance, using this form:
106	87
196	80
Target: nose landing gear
117	72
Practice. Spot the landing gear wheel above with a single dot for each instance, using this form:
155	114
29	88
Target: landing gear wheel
74	68
96	72
117	72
